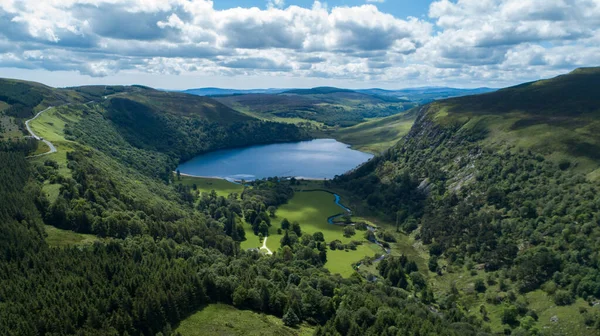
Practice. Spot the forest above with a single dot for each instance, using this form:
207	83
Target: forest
163	257
516	221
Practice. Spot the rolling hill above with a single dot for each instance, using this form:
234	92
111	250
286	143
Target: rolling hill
376	136
132	121
328	106
426	95
222	92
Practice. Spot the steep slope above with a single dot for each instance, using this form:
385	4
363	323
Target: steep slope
504	181
145	122
153	129
558	117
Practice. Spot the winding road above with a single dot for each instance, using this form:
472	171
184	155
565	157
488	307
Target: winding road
33	135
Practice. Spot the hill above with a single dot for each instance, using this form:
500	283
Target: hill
224	92
178	125
328	106
376	136
557	117
318	90
426	95
500	189
21	100
163	251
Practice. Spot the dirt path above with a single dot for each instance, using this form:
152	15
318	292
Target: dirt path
265	246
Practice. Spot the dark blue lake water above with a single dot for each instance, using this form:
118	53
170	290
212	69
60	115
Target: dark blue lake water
321	158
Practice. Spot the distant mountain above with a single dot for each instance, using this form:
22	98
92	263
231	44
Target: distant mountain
221	92
331	106
327	105
420	94
424	95
318	90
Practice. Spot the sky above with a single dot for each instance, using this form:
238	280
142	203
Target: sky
179	44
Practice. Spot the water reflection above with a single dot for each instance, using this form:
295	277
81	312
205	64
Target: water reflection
321	158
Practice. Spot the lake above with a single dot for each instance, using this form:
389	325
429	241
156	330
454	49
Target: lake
317	159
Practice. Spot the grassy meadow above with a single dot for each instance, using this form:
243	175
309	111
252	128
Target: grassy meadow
375	136
50	126
312	209
204	184
62	238
225	320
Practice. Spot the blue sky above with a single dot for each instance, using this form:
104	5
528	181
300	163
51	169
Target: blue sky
178	44
398	8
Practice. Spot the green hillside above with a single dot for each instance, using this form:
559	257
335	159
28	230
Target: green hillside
558	117
501	189
328	106
24	99
132	250
378	135
21	100
182	126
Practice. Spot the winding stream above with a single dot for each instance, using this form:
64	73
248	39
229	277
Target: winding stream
331	220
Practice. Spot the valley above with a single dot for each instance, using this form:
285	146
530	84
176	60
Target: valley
486	204
300	167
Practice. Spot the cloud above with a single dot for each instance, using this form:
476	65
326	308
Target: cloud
463	41
275	3
255	63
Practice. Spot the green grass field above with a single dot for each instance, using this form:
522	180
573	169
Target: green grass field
220	186
377	135
570	321
224	320
52	191
341	262
252	240
50	125
311	210
62	238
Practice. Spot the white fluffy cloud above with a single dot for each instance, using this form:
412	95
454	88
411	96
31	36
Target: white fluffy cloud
464	41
